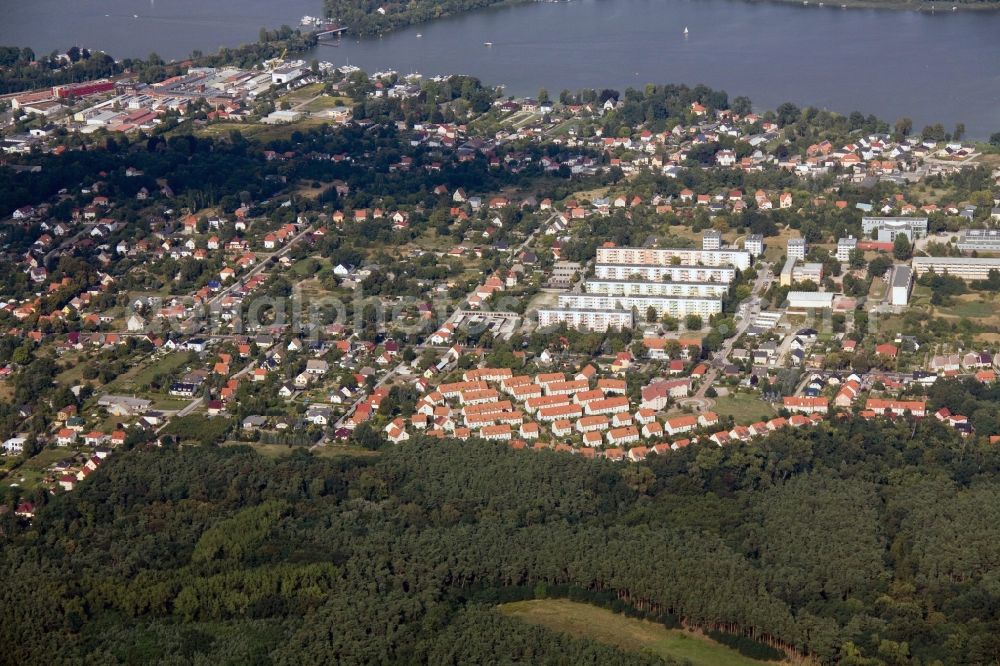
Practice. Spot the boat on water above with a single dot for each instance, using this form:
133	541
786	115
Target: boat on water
419	35
487	44
685	31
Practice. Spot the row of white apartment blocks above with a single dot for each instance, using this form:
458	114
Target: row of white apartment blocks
656	273
966	268
675	306
607	287
675	282
753	243
739	259
586	320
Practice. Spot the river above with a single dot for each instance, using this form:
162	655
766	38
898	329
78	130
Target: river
943	67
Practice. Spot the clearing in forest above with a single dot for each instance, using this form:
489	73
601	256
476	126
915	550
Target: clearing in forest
604	626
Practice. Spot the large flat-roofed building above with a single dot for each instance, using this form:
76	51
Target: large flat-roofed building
785	277
902	278
675	306
980	240
589	320
754	244
723	274
967	268
889	227
633	288
844	248
809	300
564	273
793	272
669	256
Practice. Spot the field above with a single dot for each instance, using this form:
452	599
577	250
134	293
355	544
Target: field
745	408
972	306
602	625
30	474
279	450
139	377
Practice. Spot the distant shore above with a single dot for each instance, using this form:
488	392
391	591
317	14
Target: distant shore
894	5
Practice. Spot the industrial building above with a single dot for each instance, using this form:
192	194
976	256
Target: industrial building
888	228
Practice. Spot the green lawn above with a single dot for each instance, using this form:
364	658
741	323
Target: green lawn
604	626
877	290
745	408
978	309
324	102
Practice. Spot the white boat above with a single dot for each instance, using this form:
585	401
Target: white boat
487	44
419	35
685	30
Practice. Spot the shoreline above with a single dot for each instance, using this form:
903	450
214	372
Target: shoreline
920	6
889	5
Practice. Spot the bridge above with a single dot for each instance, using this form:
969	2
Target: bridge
329	31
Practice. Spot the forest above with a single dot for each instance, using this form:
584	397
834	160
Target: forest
853	543
371	17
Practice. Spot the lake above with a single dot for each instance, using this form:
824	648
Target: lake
943	67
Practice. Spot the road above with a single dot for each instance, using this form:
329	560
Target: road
721	357
350	410
262	264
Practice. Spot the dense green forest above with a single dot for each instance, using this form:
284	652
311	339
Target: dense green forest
363	17
855	543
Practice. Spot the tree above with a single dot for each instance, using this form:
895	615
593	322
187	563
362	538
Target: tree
901	248
742	106
904	125
787	114
995	139
650	314
693	322
878	266
959	131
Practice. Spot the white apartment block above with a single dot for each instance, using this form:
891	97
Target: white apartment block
588	320
967	268
675	306
668	256
632	288
796	248
659	273
711	240
844	248
754	244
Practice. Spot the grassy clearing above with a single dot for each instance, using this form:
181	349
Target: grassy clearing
168	363
324	102
972	306
878	289
280	450
745	408
261	131
586	621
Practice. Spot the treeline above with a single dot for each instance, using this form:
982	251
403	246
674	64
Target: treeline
855	543
371	17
